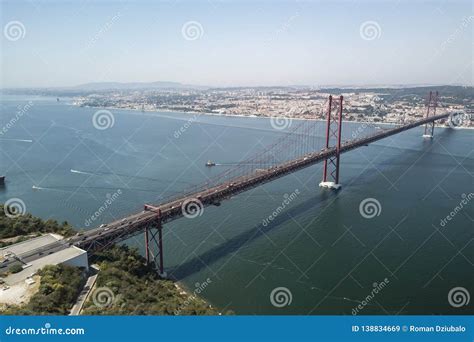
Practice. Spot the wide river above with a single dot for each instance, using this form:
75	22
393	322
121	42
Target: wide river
327	255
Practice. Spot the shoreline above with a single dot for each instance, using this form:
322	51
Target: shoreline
253	116
186	291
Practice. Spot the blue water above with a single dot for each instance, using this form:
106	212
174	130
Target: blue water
328	256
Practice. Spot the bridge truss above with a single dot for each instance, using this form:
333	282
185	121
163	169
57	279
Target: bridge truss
296	149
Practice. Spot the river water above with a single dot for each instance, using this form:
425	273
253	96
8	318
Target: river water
319	253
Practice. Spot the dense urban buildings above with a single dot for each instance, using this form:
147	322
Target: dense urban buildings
384	105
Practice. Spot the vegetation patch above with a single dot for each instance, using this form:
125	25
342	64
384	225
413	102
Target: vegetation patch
15	268
26	226
126	286
60	285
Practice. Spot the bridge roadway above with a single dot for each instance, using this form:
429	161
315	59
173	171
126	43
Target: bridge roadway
135	224
98	238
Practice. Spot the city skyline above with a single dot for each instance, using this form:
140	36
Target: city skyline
231	44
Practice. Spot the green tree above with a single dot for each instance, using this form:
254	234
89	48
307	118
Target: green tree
15	268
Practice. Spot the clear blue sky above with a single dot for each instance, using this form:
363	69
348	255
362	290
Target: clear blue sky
241	43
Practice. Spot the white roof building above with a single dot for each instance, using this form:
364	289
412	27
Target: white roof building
70	255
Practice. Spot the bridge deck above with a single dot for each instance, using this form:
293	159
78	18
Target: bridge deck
136	223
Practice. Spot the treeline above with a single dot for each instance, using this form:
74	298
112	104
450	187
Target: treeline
26	224
60	285
135	288
451	94
126	286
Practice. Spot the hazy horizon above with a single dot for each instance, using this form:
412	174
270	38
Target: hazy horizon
206	86
237	44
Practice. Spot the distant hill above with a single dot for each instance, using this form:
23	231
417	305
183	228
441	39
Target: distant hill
133	85
102	87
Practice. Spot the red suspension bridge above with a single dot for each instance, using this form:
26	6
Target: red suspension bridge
295	150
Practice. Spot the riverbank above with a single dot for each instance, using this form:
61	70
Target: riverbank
253	116
125	285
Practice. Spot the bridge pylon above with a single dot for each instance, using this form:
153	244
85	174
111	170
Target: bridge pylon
333	140
154	242
431	105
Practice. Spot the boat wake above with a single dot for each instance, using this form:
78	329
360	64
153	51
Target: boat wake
19	140
83	172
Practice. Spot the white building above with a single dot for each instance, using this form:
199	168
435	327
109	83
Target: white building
70	255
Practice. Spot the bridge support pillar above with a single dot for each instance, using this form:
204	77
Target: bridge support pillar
154	245
333	140
432	103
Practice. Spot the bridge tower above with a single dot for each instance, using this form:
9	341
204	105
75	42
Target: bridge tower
333	140
154	242
431	105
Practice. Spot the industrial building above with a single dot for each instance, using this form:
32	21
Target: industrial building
29	254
